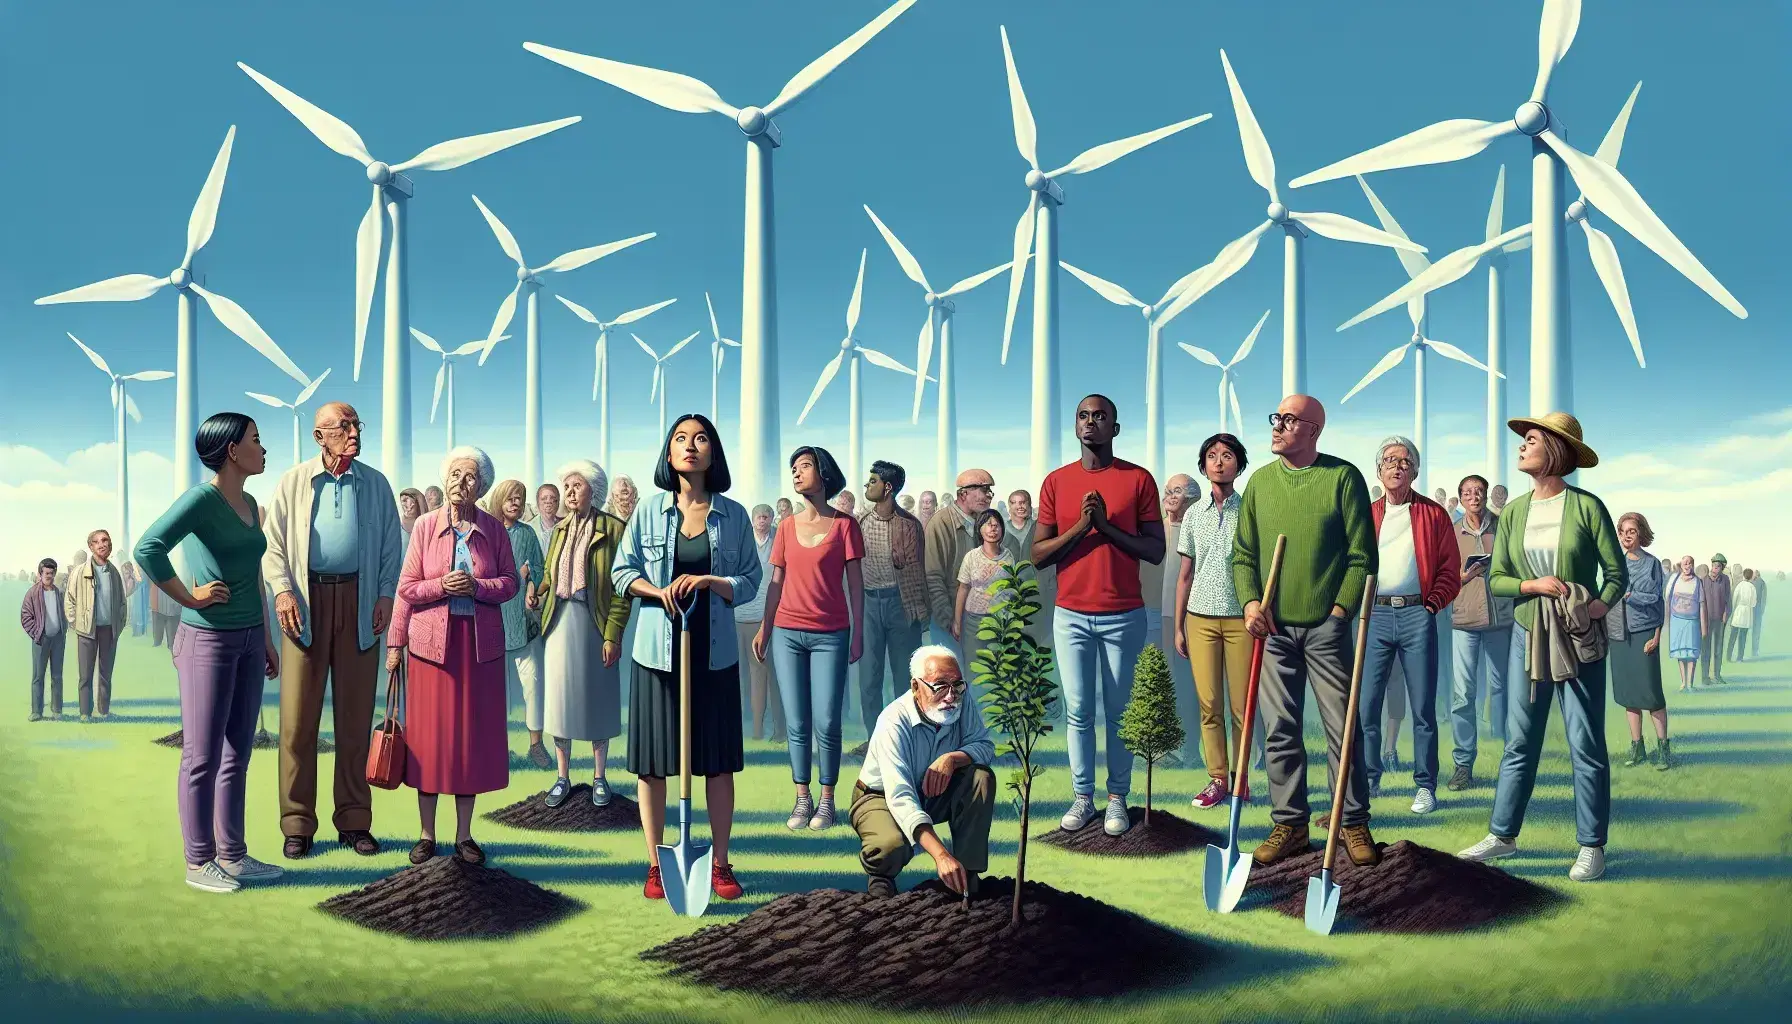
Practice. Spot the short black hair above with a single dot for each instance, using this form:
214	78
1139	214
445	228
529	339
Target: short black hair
717	480
891	474
983	517
217	434
832	480
1232	443
48	563
1113	410
1478	478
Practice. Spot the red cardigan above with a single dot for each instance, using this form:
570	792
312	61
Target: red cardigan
1434	541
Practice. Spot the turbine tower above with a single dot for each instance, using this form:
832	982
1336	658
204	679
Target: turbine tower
445	372
122	405
659	372
294	405
718	353
1552	160
761	460
131	287
392	191
940	308
1037	230
600	374
527	278
1228	388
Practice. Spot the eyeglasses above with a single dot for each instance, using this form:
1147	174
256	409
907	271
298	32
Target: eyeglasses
985	488
1397	463
957	686
1283	420
346	426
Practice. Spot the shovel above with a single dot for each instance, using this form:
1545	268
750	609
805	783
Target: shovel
1228	873
1322	892
685	868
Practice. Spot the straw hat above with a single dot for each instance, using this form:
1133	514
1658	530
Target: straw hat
1563	426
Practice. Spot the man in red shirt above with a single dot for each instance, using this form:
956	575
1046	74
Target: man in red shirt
1098	519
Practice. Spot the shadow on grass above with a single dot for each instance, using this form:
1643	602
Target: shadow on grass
1695	710
1623	865
1753	757
1720	738
145	702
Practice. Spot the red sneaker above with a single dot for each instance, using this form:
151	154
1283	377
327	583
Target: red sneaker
1211	797
654	890
721	879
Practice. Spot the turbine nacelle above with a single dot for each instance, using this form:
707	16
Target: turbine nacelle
525	276
379	172
181	278
932	299
754	123
846	344
1278	213
1037	181
1577	211
1532	118
1148	311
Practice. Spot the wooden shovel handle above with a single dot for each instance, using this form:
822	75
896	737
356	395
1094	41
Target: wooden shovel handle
1250	694
684	700
1349	747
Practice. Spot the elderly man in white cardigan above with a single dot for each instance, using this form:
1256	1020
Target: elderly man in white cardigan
334	552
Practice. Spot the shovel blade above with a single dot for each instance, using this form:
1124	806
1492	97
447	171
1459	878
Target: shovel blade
1322	903
1220	862
685	873
1238	877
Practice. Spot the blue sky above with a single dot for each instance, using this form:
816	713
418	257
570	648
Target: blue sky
113	130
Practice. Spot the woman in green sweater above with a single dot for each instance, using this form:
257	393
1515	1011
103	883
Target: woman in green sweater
1552	537
221	651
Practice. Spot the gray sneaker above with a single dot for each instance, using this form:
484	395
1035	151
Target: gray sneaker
823	818
801	813
1116	821
209	877
1082	812
249	870
600	792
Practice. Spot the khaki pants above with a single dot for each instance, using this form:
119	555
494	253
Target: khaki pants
1219	652
968	805
758	689
335	656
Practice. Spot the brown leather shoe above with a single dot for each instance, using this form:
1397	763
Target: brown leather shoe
1284	841
469	851
1360	845
296	847
423	852
359	840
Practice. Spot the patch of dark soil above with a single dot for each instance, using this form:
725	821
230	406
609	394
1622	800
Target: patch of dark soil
575	815
173	739
264	740
448	898
1413	889
1166	834
927	949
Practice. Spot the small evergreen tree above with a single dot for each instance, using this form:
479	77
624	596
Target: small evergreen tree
1150	726
1019	699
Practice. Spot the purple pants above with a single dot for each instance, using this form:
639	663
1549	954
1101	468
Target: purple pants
221	673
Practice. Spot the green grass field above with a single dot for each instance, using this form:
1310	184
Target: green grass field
1693	918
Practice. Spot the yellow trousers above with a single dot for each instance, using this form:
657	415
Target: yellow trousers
1219	652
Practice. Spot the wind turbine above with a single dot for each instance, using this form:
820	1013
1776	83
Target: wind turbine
527	278
1228	389
600	374
445	372
1552	160
718	352
304	396
392	191
1155	322
761	460
940	308
131	287
121	406
659	372
849	346
1037	230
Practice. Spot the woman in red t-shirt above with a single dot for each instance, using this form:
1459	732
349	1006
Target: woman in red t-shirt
815	596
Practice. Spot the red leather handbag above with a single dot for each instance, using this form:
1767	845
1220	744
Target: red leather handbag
386	754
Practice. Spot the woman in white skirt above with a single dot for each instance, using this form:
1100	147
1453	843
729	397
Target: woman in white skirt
522	630
582	623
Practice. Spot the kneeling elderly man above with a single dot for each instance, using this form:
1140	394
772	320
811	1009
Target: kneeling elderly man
927	763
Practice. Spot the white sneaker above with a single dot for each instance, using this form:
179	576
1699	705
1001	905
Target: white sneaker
823	818
1116	821
209	877
1588	865
1424	802
1082	812
250	870
800	814
1491	848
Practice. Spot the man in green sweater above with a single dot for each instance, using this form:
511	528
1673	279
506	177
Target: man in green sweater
1321	504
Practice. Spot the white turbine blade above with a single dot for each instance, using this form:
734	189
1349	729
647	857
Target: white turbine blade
367	272
666	88
329	129
1202	354
730	342
580	311
505	239
1612	145
1445	271
1023	247
1449	351
1440	143
112	392
1104	288
974	280
827	374
426	341
646	347
445	156
470	347
1415	310
1222	397
597	367
635	314
92	356
1608	190
653	390
205	209
1026	132
1522	243
674	349
123	288
1175	289
923	354
1496	212
910	265
310	389
1250	340
1611	275
489	344
501	322
1388	362
858	294
1344	229
1257	156
715	330
441	375
244	326
1414	263
1237	414
579	257
130	408
1230	259
266	399
824	65
148	375
1561	19
1108	152
876	358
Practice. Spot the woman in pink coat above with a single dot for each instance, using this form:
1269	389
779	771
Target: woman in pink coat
458	570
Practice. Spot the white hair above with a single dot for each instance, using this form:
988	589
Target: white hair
917	662
1396	441
593	475
482	464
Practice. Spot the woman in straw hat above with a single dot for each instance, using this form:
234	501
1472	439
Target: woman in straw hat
1554	536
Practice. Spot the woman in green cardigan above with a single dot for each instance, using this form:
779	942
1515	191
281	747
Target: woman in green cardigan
1554	536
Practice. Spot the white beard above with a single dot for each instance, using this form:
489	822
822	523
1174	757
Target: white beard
943	716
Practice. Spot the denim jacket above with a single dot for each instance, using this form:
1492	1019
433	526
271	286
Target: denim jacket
647	552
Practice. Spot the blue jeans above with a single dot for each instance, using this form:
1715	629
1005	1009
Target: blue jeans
1477	655
891	638
1583	719
1096	655
1409	634
811	669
